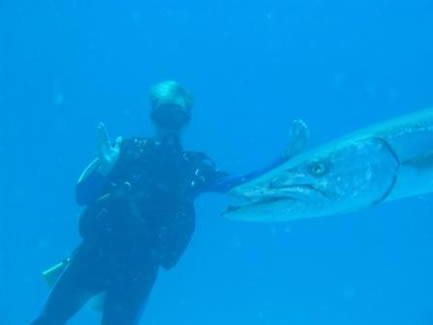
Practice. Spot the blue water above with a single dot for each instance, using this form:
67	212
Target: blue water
253	66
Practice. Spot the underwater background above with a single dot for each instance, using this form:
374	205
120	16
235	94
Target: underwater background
252	66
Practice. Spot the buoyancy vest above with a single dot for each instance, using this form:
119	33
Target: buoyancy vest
148	200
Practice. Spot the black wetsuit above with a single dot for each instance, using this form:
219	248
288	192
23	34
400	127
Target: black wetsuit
140	219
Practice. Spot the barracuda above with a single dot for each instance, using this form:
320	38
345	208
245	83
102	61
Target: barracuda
385	162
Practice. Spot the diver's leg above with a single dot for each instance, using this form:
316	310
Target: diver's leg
127	294
76	285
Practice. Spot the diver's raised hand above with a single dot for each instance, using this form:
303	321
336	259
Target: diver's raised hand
108	154
299	135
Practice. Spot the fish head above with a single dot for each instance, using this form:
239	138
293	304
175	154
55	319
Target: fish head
332	179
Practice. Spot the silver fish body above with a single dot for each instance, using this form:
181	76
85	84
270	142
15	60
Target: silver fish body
384	162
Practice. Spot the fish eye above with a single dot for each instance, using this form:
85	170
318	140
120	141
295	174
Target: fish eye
318	169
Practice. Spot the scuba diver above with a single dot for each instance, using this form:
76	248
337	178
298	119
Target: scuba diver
139	212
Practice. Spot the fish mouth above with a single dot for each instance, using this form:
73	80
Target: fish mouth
290	194
257	203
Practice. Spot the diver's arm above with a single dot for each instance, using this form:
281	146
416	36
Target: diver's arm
225	182
299	135
93	179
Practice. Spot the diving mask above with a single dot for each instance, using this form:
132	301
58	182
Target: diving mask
171	116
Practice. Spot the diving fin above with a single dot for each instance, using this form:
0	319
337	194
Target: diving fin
52	274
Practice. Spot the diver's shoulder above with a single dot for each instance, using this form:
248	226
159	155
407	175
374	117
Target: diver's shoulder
137	141
137	138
